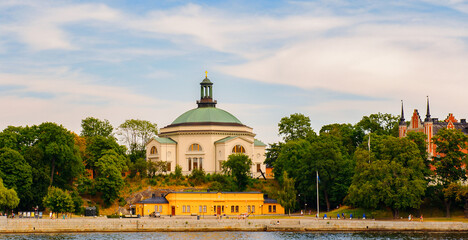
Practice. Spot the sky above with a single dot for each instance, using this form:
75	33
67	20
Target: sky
333	61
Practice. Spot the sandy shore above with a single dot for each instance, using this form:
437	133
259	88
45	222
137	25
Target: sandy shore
181	224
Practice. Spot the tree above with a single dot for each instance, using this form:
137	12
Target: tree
8	197
58	201
419	139
238	166
287	194
155	167
294	127
97	146
58	146
94	127
16	173
380	124
391	175
136	133
451	159
108	179
349	136
272	153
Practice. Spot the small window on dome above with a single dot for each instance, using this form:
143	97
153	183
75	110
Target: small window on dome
195	147
238	149
154	150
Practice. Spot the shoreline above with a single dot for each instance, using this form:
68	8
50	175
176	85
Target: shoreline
101	224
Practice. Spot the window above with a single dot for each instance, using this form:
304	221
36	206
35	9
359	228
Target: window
253	208
274	208
189	164
248	208
222	208
195	163
154	150
232	209
188	208
238	149
160	209
195	147
258	167
200	209
200	163
204	208
237	208
183	208
168	167
269	208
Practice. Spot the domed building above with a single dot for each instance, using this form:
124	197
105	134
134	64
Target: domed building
204	137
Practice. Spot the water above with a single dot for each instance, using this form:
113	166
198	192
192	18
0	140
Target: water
236	235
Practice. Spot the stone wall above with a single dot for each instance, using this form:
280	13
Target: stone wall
101	224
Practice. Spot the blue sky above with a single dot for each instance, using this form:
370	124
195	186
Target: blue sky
334	61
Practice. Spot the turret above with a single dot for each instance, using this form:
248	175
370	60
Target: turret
206	93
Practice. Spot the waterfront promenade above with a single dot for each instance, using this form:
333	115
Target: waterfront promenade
102	224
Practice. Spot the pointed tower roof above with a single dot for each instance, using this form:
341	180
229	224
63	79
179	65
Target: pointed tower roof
428	113
402	117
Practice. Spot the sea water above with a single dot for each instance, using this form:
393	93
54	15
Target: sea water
239	235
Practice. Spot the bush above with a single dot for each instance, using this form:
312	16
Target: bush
122	202
197	176
153	182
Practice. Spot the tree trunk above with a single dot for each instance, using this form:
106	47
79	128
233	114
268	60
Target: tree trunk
447	202
396	213
52	172
466	207
325	194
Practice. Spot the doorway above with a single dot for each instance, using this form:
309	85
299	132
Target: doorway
218	210
173	210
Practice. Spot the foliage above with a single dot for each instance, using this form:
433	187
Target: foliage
140	166
296	126
391	176
272	152
58	201
197	176
380	124
450	159
92	127
178	172
238	166
349	136
8	197
221	182
136	133
156	167
287	194
419	139
108	179
16	173
77	202
450	162
85	185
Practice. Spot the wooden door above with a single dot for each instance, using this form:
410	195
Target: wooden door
173	211
218	210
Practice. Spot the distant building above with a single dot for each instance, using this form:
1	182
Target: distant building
430	126
209	203
204	137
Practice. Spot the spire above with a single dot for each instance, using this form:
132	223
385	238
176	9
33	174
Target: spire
402	116
428	113
206	93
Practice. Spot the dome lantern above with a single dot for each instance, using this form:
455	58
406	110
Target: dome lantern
206	93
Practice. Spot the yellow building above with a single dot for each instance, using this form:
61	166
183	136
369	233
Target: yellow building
209	203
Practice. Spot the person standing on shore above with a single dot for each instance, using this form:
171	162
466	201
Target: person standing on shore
421	218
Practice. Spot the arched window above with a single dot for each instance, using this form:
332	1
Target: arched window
195	147
238	149
154	150
189	164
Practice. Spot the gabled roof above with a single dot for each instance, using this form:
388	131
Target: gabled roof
225	139
259	143
165	140
154	200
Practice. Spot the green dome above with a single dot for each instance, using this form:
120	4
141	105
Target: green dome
206	114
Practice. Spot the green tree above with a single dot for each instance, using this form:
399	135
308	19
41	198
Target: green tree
8	197
451	159
58	201
391	176
287	194
296	126
94	127
238	166
272	153
156	167
59	151
380	124
109	179
349	136
419	139
136	133
16	173
97	146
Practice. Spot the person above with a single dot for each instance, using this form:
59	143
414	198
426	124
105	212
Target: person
351	216
337	216
363	216
342	214
325	216
421	218
50	214
302	213
409	217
